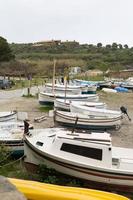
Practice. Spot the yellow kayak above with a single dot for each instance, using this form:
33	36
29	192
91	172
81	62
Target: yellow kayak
40	191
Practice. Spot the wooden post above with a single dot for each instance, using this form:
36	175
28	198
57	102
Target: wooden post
28	88
65	82
29	84
53	77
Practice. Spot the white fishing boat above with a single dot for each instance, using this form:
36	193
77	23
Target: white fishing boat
11	137
90	86
13	116
87	156
104	84
60	89
48	98
12	140
81	121
70	89
103	112
91	89
13	125
8	116
62	104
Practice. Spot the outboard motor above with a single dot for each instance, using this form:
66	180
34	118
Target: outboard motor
124	111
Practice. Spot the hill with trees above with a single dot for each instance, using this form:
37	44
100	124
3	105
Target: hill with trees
37	58
93	56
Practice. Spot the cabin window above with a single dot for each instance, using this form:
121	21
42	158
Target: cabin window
88	152
39	143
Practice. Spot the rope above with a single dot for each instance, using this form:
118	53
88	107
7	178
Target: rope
19	159
8	152
8	155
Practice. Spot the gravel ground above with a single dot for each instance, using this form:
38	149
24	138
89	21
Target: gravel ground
29	105
122	137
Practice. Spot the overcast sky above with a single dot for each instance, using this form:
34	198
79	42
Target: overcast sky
86	21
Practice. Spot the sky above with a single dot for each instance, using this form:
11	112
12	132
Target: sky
86	21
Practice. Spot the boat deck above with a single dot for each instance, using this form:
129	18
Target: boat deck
122	158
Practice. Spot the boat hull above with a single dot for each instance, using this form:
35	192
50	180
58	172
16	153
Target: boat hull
91	89
75	108
62	105
68	119
53	192
62	89
8	116
47	98
15	148
127	86
65	104
108	179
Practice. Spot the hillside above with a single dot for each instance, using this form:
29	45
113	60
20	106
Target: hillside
39	56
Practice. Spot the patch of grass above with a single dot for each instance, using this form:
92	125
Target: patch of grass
49	175
24	83
46	108
29	96
90	78
17	170
44	174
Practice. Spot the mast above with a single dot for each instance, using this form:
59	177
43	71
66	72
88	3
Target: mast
65	82
53	84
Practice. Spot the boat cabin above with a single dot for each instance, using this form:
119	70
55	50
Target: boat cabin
94	148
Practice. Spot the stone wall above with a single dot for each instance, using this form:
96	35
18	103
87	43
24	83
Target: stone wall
9	191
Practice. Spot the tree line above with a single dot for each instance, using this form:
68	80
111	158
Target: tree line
38	59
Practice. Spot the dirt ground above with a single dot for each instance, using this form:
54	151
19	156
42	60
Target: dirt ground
122	137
